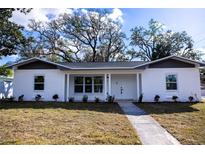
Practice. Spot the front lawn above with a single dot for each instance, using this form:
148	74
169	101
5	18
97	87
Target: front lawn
64	123
185	121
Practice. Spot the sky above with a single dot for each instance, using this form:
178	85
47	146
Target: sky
189	20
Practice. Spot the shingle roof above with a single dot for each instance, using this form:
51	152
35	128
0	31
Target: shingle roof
90	65
106	65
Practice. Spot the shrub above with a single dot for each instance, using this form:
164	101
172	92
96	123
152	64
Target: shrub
11	99
37	97
191	98
20	98
140	98
97	100
71	99
2	99
55	97
174	98
85	98
156	98
110	99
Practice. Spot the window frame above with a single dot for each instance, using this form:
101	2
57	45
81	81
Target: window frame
79	85
86	84
92	84
99	84
177	85
38	82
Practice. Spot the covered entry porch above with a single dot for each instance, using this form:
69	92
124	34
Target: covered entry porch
123	86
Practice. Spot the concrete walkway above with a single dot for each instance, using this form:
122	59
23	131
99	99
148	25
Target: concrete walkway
149	130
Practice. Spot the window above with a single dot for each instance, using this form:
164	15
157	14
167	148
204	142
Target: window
39	83
98	84
88	84
171	82
78	84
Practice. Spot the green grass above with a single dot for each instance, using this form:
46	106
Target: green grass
185	121
64	123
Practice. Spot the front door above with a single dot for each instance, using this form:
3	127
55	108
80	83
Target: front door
120	89
124	86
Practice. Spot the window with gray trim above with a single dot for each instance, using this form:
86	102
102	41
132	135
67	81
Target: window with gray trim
39	82
88	84
171	82
78	88
98	84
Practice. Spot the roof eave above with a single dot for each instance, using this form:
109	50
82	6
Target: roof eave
33	60
173	57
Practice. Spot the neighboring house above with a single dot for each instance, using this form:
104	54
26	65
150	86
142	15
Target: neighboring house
165	77
6	87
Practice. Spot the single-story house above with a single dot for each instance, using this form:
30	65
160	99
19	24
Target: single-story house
166	77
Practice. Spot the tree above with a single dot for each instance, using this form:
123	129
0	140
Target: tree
156	42
11	36
47	41
81	36
10	32
4	71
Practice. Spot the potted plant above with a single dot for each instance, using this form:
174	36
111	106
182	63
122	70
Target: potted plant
110	99
55	97
85	98
191	98
156	98
37	97
97	100
71	99
20	98
174	98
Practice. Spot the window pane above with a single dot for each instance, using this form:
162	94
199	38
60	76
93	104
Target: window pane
78	89
78	80
38	86
39	79
98	88
88	88
98	80
88	80
171	78
171	86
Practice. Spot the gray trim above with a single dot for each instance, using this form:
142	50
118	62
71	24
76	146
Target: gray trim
176	58
65	88
171	63
127	65
37	65
14	65
103	65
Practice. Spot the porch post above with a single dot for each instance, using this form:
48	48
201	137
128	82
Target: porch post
105	85
68	86
109	88
137	84
65	88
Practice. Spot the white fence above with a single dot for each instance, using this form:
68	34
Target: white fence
203	92
6	88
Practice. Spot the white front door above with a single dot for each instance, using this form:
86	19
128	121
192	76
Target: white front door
120	89
124	86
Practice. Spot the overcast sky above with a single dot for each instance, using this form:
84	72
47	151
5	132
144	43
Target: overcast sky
190	20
